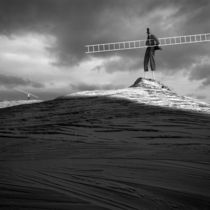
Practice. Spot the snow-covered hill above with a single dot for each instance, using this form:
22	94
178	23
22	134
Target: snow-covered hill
129	149
4	104
150	92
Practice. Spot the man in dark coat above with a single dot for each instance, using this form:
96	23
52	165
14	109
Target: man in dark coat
152	43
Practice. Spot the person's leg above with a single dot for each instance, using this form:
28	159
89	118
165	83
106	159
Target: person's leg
146	60
152	59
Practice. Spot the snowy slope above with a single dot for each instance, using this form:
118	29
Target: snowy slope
150	92
4	104
112	151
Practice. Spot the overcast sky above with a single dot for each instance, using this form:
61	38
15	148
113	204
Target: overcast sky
42	45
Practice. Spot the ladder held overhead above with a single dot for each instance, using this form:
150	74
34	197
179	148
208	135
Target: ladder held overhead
126	45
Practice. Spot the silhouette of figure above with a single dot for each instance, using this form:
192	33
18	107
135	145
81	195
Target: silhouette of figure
152	43
28	96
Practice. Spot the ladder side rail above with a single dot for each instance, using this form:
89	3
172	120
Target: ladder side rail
133	44
189	39
87	46
180	41
98	48
142	43
202	38
109	47
125	45
130	45
195	38
164	41
94	48
161	41
122	46
192	38
208	37
179	38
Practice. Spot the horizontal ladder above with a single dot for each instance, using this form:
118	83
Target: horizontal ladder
127	45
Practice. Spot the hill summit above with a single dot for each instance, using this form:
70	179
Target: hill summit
120	149
151	92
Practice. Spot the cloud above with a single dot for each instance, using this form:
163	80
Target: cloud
12	81
201	72
75	23
85	87
119	63
197	96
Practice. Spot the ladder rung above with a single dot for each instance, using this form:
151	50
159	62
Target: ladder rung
142	43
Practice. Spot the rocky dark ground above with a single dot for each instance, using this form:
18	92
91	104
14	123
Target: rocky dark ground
101	152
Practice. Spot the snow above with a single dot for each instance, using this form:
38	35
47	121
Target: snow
143	91
103	152
151	92
4	104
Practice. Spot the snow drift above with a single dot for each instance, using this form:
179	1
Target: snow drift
151	92
4	104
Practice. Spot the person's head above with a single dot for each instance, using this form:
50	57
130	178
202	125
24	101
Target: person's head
148	32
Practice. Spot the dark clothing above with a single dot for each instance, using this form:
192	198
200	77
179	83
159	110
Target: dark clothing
152	40
152	43
149	56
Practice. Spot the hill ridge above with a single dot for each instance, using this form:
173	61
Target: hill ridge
151	92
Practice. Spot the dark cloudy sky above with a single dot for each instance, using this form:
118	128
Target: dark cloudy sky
42	45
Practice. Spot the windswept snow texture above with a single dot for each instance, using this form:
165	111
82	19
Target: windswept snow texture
104	153
151	92
4	104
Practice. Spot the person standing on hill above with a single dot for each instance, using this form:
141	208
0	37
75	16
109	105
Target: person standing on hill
153	44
